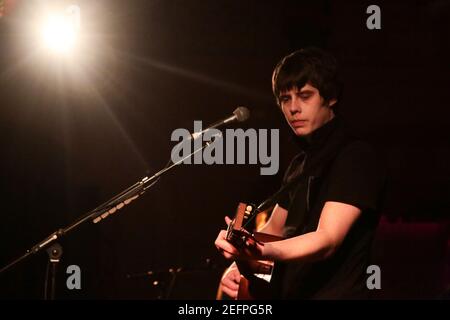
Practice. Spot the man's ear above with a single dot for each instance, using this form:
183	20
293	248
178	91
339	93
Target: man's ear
332	102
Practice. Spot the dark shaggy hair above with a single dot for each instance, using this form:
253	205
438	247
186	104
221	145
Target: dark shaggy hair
309	65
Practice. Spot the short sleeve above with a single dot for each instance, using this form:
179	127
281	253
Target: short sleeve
357	177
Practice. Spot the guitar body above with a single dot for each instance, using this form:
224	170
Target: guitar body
238	236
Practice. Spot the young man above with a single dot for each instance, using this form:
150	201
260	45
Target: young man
329	210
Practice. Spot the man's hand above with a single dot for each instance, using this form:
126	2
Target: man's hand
229	283
252	249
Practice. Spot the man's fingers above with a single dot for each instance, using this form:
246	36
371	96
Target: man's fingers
237	276
222	234
224	246
231	293
230	284
228	255
227	250
220	239
227	220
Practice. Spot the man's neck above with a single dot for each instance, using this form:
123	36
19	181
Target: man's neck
308	138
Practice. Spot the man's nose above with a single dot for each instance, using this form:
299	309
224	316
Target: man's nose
295	106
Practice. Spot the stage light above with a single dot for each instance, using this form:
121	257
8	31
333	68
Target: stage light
58	35
60	32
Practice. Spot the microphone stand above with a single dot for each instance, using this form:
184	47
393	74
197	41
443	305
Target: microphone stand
165	279
54	254
96	215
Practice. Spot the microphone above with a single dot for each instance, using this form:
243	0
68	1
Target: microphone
241	114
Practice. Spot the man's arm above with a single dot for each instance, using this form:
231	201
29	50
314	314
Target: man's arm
335	222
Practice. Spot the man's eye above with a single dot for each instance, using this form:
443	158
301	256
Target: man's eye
305	96
284	99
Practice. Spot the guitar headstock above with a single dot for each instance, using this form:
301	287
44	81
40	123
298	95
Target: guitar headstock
237	234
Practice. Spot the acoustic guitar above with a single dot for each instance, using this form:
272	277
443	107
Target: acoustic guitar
255	273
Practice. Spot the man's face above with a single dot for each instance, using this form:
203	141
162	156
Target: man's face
304	109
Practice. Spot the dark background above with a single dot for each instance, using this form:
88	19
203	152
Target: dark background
76	132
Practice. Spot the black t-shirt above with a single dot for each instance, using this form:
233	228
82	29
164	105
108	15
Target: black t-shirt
332	166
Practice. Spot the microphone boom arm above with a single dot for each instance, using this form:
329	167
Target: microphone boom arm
104	210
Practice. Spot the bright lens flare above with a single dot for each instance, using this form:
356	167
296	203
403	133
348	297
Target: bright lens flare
59	34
